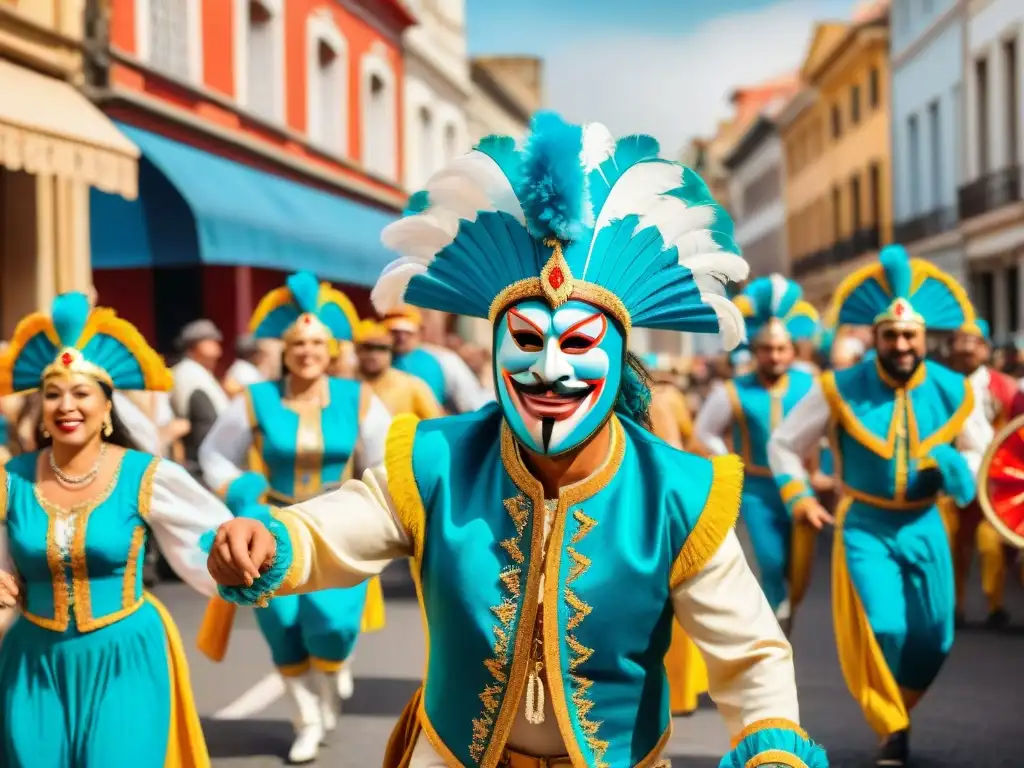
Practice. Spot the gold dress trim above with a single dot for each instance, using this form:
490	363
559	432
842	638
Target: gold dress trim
4	480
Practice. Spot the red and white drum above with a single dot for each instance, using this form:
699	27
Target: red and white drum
1001	482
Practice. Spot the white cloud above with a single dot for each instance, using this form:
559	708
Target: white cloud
677	88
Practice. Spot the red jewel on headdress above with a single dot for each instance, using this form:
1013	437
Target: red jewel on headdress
556	278
66	358
307	319
899	310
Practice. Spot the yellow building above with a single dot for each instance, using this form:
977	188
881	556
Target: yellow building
54	146
835	134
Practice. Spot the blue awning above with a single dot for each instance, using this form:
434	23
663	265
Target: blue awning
197	207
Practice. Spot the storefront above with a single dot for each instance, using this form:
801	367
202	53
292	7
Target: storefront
54	146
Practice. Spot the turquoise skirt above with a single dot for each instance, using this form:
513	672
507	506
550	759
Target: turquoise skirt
74	700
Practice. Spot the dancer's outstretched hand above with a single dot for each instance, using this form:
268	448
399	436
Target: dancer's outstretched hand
242	550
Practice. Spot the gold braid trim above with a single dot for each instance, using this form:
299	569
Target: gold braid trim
773	757
405	493
776	723
3	495
592	293
716	519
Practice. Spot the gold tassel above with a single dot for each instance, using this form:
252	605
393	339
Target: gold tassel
535	696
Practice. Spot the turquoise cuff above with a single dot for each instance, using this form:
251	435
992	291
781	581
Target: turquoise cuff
957	478
792	489
773	747
245	490
261	590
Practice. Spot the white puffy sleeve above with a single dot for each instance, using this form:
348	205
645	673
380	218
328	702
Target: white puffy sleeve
225	449
373	435
180	512
749	660
142	430
714	419
977	431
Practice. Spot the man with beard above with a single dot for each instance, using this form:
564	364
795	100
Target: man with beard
894	420
751	406
995	394
399	391
554	539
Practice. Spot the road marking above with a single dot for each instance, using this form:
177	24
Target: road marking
255	700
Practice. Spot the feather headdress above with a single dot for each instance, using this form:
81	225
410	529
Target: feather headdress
900	289
777	302
304	298
572	214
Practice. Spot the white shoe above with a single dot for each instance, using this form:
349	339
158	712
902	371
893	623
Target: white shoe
346	683
329	703
309	725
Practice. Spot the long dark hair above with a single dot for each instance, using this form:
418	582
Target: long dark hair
119	436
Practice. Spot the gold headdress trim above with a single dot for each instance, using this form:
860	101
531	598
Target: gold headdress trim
556	285
70	362
773	329
900	311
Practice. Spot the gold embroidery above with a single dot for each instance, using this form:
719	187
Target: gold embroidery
519	510
3	494
579	652
777	723
592	293
131	569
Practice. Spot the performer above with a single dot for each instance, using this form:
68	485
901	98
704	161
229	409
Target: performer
553	537
994	396
93	671
301	436
453	382
752	406
894	419
399	391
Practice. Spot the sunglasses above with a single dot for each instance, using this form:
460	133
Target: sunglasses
376	347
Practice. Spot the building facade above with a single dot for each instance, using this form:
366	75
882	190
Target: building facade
271	140
926	51
990	202
756	192
54	147
837	141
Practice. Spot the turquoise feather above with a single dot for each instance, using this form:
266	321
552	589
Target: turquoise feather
305	290
503	151
898	273
70	311
418	202
552	187
629	151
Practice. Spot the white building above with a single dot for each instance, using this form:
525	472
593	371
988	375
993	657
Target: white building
437	88
990	201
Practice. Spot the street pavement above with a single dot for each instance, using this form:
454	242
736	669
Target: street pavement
970	719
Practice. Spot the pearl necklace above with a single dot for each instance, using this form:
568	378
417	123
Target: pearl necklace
81	480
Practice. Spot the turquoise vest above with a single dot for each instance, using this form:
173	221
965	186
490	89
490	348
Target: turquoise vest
301	453
757	411
424	365
619	543
882	432
98	579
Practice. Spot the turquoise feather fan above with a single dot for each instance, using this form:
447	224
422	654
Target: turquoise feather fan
642	228
869	292
777	297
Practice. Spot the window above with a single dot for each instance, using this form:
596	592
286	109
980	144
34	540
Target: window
837	214
874	88
856	220
1011	82
168	37
982	135
451	143
262	54
935	153
855	104
875	192
425	144
914	158
837	122
327	94
380	118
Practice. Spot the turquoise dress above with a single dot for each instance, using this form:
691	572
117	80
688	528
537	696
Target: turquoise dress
319	628
757	411
87	671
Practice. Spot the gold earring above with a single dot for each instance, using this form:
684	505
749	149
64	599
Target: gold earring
108	426
46	434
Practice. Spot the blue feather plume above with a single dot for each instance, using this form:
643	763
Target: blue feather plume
503	151
305	289
418	203
629	151
552	188
69	312
896	264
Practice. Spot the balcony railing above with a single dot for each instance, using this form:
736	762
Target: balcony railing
990	192
927	225
862	241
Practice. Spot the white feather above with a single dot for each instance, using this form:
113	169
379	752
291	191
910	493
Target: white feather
418	237
732	328
598	146
779	286
389	291
454	191
488	177
712	269
637	189
674	218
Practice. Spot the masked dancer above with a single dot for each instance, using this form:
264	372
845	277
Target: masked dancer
300	437
894	419
91	653
554	539
751	406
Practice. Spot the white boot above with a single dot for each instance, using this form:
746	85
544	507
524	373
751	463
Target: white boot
309	725
329	699
346	684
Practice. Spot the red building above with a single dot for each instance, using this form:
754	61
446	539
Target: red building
270	141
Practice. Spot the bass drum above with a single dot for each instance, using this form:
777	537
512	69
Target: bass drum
1001	482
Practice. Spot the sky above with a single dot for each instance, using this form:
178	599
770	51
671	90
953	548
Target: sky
663	67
